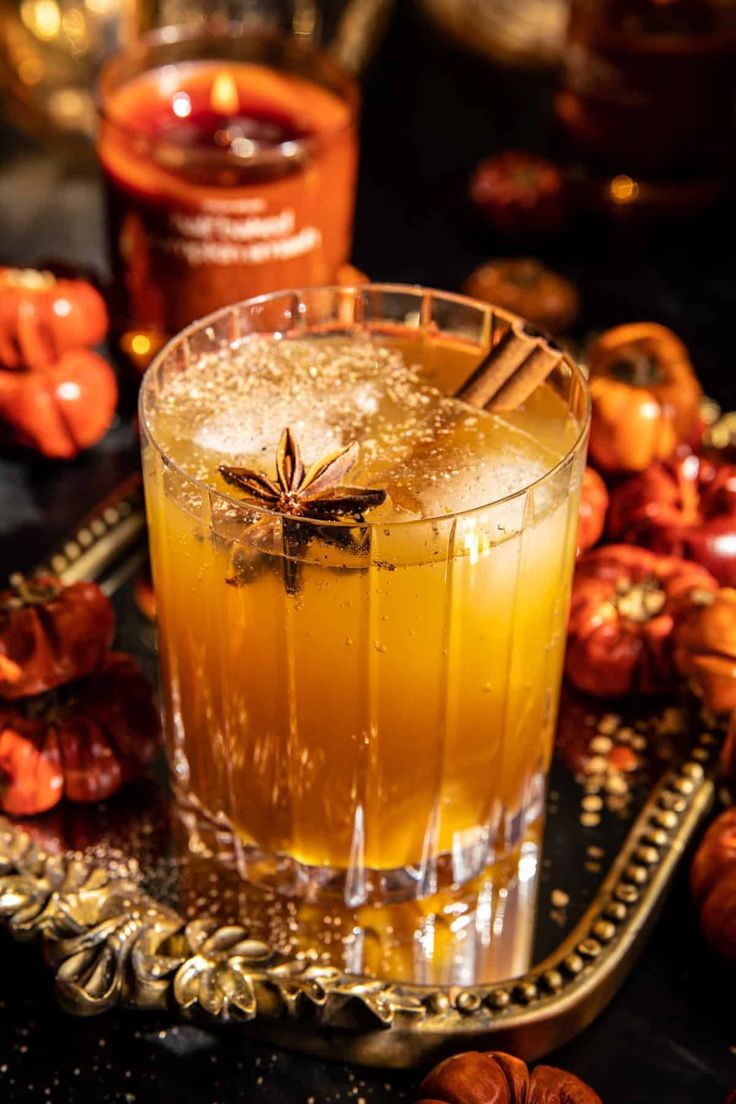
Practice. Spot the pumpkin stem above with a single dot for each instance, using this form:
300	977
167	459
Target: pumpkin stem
641	601
30	592
636	368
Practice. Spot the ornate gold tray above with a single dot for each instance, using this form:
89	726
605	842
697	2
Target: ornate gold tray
132	909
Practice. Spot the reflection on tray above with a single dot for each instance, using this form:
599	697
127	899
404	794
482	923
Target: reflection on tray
493	928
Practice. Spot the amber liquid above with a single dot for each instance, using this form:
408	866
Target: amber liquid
192	229
397	712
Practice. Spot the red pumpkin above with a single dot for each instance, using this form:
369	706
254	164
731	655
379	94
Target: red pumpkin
626	603
82	742
64	409
50	633
524	286
519	193
42	317
497	1078
686	507
713	883
593	507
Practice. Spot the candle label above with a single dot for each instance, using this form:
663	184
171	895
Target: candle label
219	236
182	261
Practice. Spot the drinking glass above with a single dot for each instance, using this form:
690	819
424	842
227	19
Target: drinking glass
368	710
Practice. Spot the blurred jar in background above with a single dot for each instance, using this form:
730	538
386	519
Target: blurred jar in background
647	98
51	51
520	33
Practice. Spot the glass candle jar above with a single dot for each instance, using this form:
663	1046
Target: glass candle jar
367	702
230	167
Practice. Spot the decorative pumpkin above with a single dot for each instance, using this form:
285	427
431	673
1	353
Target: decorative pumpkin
519	194
497	1078
350	276
42	317
82	742
705	648
713	884
686	507
62	410
626	603
524	286
144	594
645	396
728	753
593	507
50	633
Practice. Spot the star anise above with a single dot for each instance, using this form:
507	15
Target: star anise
302	495
316	493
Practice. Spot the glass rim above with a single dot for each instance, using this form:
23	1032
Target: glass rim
231	31
418	289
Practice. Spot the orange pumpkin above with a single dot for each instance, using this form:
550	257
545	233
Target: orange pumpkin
42	317
645	396
705	648
713	884
497	1078
62	410
349	276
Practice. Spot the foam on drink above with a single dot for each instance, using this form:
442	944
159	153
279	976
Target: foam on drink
433	454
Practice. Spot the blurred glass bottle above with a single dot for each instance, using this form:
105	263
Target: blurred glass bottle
648	99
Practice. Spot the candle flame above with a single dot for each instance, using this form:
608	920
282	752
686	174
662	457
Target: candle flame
224	96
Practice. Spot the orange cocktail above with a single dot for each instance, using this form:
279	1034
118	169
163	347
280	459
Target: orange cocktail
365	695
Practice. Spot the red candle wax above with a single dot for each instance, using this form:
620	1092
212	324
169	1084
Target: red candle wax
216	115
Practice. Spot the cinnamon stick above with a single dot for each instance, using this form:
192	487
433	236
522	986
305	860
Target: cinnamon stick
510	371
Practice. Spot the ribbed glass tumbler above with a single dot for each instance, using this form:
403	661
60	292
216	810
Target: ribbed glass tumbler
369	709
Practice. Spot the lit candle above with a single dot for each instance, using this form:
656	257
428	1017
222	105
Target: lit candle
230	166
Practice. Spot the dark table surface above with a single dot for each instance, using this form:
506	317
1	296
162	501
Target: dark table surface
430	113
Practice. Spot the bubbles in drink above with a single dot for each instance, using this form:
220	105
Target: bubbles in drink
432	454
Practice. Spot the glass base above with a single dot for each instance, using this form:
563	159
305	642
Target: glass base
282	874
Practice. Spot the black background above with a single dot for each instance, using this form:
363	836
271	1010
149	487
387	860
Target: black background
430	112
